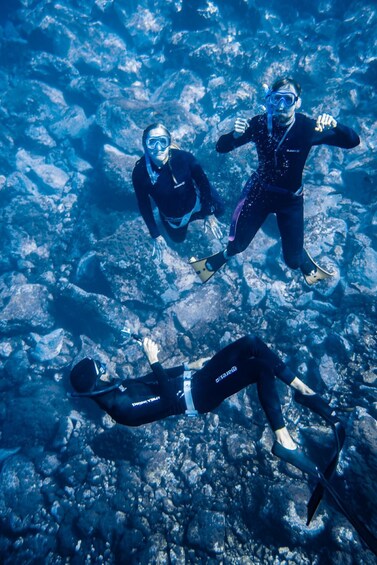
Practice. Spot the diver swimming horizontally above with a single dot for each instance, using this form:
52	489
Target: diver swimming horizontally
198	387
283	139
177	184
201	386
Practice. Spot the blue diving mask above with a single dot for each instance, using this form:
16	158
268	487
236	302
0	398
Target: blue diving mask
160	143
288	98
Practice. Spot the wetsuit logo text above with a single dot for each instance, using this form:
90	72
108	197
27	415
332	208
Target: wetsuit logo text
225	375
148	401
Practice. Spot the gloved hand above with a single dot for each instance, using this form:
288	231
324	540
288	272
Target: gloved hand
159	245
214	225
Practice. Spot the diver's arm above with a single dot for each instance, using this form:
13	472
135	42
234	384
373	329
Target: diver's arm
151	351
203	185
328	131
144	203
241	134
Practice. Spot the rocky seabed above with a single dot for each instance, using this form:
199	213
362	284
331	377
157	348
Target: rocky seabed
79	81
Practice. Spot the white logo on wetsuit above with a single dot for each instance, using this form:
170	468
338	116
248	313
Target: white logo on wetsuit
148	401
225	375
293	150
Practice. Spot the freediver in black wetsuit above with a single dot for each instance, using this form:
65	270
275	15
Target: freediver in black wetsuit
163	393
168	392
283	139
177	184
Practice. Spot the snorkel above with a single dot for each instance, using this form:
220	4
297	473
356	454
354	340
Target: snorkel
269	108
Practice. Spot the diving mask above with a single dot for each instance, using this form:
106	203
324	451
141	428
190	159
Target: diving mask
288	98
160	143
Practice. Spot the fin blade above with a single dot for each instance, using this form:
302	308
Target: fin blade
328	473
317	274
205	268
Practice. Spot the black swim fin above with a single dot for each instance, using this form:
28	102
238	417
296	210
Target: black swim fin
318	405
366	535
205	268
297	458
328	473
312	272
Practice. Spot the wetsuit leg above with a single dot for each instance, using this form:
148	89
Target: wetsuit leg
248	217
290	219
246	361
268	394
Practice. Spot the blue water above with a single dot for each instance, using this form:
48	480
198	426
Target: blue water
79	81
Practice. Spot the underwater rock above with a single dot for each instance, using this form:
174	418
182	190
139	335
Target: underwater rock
207	531
362	273
5	453
19	484
16	368
116	167
47	347
21	427
50	178
27	310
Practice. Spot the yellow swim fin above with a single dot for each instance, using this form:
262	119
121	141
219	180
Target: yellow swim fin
205	268
317	273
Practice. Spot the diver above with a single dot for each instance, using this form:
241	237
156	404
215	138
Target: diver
200	387
283	139
177	184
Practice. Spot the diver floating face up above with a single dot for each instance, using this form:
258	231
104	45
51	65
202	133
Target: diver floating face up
157	144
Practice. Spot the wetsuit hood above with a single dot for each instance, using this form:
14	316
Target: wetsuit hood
84	375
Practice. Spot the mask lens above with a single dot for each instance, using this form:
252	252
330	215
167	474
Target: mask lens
162	142
288	98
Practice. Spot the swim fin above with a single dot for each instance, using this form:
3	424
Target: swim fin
312	272
297	458
318	405
366	535
205	268
328	473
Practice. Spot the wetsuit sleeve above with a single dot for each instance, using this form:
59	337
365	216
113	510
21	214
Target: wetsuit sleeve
340	136
228	142
204	187
167	393
144	200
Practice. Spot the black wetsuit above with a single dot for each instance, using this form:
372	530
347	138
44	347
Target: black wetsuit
181	186
160	393
276	186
